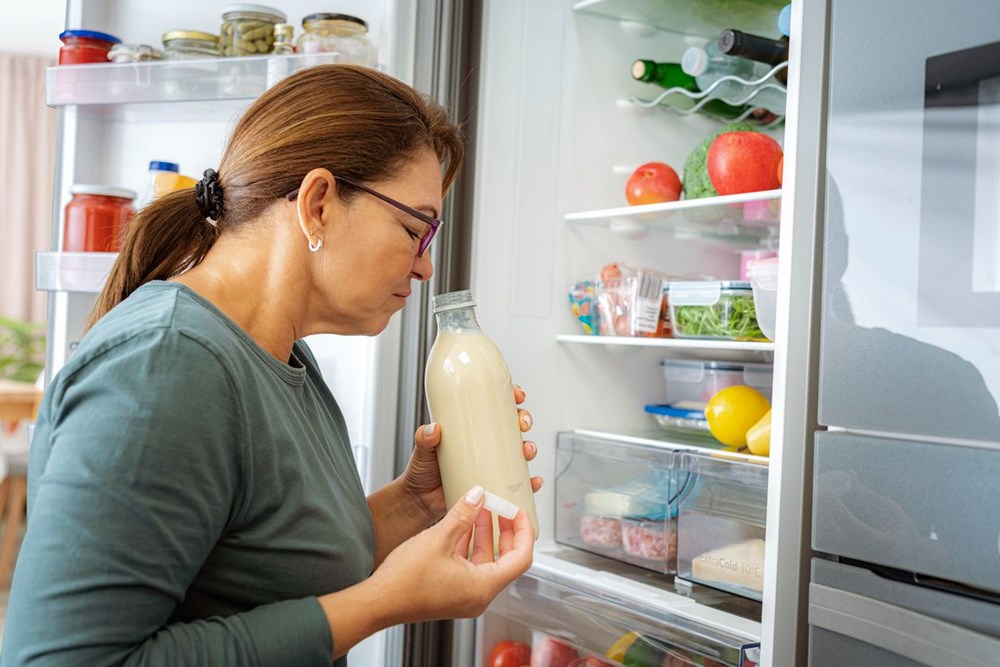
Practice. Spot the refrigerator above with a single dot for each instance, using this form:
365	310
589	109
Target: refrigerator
905	523
555	125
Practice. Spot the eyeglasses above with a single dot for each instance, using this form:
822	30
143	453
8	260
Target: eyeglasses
434	223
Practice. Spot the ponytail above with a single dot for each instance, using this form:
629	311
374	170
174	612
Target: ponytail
162	240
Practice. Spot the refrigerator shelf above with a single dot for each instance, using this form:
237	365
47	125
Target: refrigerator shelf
688	17
156	88
72	271
750	218
665	441
712	350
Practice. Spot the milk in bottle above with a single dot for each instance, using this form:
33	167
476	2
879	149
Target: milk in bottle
471	396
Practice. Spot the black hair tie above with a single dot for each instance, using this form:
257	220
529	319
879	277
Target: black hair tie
208	194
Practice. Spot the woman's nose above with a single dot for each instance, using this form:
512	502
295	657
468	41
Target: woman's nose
423	268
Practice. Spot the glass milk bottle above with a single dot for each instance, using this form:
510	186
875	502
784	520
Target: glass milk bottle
471	396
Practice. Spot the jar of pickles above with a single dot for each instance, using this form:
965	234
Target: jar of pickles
248	30
337	33
189	44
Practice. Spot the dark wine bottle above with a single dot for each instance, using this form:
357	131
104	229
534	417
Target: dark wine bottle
754	47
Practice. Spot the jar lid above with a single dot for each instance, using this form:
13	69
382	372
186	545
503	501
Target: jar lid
263	10
164	166
89	34
284	29
190	34
334	17
105	190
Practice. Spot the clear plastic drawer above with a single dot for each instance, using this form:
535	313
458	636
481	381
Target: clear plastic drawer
720	523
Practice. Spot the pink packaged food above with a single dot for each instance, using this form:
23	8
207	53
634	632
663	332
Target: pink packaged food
600	531
652	540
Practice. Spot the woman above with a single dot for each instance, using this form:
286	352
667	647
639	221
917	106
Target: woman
193	497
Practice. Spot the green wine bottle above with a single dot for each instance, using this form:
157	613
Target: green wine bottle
670	75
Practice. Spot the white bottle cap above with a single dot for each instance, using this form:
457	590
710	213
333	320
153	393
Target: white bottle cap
498	505
694	61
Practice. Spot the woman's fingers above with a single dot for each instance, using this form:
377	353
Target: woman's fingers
482	539
530	450
524	419
519	394
536	483
427	436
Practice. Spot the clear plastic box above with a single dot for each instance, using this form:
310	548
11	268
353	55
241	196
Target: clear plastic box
715	309
617	500
691	383
764	283
720	523
633	306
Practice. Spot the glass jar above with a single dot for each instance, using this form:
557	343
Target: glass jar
189	44
133	53
96	218
337	33
85	46
284	42
248	30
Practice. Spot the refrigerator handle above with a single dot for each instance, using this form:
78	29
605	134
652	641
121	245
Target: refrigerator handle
901	631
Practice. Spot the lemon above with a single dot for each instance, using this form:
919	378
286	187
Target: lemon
759	436
732	411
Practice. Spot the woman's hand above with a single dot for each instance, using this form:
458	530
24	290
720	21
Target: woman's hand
422	477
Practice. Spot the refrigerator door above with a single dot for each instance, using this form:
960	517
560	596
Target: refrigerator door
858	618
911	314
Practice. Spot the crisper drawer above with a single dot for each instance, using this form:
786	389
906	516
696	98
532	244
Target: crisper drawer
558	619
861	619
720	523
618	500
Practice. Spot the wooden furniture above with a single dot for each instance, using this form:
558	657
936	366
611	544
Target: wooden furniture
18	400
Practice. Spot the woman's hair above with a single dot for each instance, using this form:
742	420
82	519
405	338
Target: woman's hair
355	121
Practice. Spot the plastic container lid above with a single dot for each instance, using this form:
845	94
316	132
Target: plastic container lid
157	165
706	293
679	413
785	21
104	190
694	61
323	16
89	34
260	11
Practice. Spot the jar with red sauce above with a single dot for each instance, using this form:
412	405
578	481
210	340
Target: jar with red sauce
96	218
85	46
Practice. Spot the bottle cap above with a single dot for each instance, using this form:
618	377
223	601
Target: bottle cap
157	165
640	69
785	21
453	301
498	505
694	61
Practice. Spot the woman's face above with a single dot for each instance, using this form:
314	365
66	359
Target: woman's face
369	257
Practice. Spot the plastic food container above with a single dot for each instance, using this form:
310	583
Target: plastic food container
189	45
248	30
650	540
692	384
133	53
764	282
602	532
718	309
341	34
96	217
85	46
683	421
633	306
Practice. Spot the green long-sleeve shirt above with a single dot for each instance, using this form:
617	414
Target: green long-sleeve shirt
188	497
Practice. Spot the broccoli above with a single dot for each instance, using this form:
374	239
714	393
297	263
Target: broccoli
696	181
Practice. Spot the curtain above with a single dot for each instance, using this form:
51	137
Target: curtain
27	165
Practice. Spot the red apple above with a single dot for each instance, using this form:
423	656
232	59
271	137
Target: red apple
743	162
652	183
551	652
509	653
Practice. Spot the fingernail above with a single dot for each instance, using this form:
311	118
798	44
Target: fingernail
527	420
474	495
534	450
429	429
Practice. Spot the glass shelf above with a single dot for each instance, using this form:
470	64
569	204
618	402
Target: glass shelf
663	440
172	89
704	18
72	271
712	350
750	218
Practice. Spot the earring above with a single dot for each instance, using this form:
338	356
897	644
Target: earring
314	247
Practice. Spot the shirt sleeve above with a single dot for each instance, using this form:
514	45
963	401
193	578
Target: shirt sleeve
140	469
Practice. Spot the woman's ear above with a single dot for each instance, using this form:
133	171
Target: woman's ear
315	200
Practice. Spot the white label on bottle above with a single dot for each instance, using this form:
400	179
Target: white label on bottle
647	315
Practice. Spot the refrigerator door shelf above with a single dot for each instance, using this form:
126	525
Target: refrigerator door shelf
687	17
912	506
690	348
72	271
593	611
750	219
859	618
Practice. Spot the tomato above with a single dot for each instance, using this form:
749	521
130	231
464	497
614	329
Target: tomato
652	183
743	162
551	652
781	171
509	653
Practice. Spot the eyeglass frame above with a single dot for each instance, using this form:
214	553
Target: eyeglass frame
433	222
